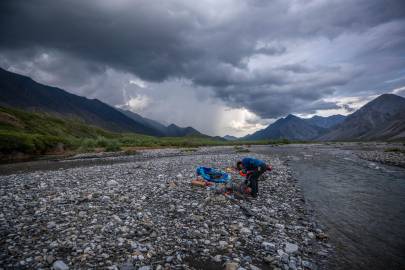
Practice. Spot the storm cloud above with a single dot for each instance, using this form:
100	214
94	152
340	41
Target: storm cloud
268	57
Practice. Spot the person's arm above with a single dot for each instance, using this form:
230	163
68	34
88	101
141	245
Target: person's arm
269	168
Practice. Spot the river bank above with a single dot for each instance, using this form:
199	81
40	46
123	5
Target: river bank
388	153
141	211
360	203
389	157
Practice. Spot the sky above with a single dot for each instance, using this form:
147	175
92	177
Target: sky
223	67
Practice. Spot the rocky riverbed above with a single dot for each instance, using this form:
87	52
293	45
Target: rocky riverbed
384	157
144	214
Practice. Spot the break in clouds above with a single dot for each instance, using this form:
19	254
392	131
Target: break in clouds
221	66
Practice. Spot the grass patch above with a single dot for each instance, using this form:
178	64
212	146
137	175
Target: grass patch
394	150
240	149
41	133
187	150
112	146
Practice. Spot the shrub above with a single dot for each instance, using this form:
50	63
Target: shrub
112	146
14	141
394	150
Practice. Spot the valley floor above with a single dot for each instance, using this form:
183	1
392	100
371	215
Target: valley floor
141	211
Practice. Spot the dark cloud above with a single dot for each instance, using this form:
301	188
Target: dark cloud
348	108
271	57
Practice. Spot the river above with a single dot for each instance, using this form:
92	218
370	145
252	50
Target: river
361	204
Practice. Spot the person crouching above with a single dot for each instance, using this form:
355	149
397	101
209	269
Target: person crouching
253	169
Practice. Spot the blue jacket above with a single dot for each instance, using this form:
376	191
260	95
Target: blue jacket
251	164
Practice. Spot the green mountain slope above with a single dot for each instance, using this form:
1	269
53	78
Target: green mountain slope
41	133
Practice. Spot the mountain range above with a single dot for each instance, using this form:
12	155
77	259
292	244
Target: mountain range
230	138
171	130
24	93
381	119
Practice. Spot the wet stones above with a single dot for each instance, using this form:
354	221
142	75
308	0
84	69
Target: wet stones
393	158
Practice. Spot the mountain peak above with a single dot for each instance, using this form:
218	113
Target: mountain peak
384	98
387	96
230	138
326	121
291	116
387	103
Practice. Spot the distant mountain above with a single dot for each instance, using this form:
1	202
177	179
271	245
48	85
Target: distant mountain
176	131
326	122
159	128
230	138
22	92
291	128
381	119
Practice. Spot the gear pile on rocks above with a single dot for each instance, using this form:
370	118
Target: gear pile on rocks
146	215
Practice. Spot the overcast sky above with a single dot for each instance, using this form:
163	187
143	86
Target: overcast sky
221	66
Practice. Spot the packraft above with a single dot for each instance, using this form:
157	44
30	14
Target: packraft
213	175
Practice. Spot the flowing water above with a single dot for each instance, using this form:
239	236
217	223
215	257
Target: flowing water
361	204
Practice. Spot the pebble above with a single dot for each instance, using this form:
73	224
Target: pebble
50	259
222	244
245	231
127	266
51	225
218	258
231	266
105	199
112	183
291	248
60	265
268	259
268	246
307	265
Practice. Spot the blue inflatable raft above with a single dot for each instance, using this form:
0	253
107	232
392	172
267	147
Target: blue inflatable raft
213	175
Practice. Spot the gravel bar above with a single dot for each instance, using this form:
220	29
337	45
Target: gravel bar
146	215
388	158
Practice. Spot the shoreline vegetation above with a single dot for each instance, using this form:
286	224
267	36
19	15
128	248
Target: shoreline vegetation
31	135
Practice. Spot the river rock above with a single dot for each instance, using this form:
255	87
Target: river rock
268	246
231	266
59	265
245	231
127	266
290	248
112	183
